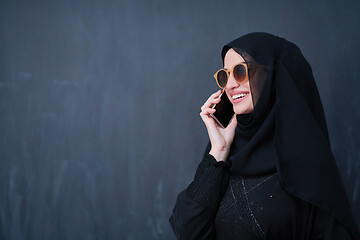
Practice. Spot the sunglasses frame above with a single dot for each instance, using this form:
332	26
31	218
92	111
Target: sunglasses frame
248	65
228	71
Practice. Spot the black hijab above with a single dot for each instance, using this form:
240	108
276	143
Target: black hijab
287	132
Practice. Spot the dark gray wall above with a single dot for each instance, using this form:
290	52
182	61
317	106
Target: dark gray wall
100	102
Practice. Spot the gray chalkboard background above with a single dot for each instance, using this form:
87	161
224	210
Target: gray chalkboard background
100	102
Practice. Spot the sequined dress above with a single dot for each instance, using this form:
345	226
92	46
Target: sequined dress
254	207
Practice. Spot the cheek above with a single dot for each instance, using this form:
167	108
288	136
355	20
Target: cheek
247	85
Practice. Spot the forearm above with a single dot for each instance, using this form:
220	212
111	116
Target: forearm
209	183
196	207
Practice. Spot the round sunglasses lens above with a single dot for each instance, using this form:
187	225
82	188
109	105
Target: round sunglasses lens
240	73
222	78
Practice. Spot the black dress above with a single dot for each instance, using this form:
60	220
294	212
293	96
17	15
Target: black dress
281	180
250	208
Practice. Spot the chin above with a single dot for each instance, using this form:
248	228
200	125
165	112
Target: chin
245	106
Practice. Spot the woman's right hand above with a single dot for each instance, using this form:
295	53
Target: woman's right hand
220	138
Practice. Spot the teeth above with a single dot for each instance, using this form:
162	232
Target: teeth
239	95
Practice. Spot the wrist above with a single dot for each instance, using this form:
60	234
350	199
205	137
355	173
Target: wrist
220	154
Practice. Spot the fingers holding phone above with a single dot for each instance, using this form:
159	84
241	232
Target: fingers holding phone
207	110
216	119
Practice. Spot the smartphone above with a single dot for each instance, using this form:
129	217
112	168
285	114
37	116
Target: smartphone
224	111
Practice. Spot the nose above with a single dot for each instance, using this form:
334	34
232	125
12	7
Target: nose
232	83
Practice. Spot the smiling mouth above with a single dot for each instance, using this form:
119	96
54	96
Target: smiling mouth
238	96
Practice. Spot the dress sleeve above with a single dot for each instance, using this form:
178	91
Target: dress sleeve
195	209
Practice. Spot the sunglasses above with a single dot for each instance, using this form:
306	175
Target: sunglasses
240	72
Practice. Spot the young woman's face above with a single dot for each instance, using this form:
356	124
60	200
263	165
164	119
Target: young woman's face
233	89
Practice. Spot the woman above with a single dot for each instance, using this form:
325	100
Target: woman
270	173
